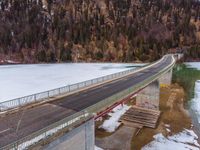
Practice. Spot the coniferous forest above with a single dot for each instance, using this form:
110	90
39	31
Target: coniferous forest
34	31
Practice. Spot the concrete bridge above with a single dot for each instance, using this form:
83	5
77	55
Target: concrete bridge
67	121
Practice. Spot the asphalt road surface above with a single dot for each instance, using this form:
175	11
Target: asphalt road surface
23	123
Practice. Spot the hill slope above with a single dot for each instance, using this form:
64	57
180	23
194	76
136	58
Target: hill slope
33	31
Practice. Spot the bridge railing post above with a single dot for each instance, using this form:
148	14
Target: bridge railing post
35	97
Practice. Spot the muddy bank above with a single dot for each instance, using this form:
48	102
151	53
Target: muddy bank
174	117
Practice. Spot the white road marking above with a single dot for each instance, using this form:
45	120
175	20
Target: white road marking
4	130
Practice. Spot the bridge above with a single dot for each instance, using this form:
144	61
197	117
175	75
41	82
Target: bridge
33	120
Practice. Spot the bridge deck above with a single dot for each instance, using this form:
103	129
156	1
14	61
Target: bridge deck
18	125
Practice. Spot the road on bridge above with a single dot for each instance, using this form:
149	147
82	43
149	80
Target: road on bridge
20	124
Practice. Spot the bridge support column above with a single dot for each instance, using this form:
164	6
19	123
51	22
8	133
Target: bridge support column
166	79
149	96
79	138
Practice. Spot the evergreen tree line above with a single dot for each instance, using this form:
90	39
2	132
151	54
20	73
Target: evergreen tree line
89	30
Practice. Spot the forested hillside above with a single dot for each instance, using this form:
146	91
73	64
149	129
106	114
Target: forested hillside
33	31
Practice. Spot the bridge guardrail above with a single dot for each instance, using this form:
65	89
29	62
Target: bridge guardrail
80	116
47	132
38	97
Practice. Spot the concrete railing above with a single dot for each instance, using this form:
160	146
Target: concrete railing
79	117
44	96
45	133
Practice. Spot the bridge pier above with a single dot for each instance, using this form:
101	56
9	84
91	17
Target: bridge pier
149	96
79	138
166	79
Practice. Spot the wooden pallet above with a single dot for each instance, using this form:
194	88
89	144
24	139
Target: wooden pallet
140	117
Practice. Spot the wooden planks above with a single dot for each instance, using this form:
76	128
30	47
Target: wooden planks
140	117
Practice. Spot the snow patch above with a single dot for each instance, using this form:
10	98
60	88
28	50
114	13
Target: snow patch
195	65
196	100
186	136
97	148
11	62
167	125
168	130
185	140
112	123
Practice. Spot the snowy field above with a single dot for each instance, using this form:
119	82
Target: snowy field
185	140
196	99
22	80
195	65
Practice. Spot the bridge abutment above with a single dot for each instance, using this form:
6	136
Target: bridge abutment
79	138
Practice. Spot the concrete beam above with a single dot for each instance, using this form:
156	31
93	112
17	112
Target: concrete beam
149	97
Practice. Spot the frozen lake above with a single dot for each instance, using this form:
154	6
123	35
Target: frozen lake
22	80
196	99
195	65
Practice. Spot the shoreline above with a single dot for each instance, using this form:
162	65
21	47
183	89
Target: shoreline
186	75
175	118
196	125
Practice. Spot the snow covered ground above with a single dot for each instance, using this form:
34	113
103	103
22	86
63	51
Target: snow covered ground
185	140
112	123
196	99
97	148
22	80
193	65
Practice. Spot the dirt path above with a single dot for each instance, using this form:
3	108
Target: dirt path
120	140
